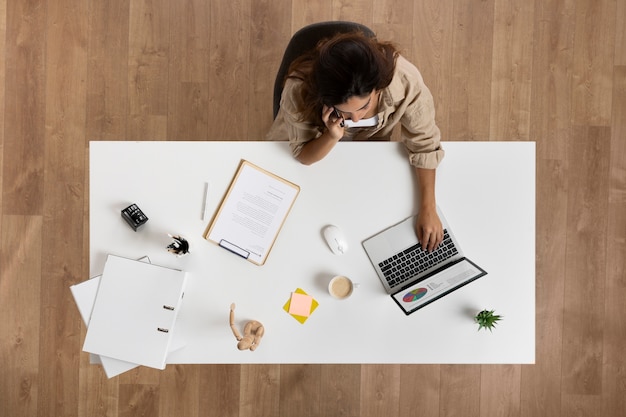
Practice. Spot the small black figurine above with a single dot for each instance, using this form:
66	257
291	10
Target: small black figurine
179	246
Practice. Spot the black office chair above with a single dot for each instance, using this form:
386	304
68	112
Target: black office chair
306	39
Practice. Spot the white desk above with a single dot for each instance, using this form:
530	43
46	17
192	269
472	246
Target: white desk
486	191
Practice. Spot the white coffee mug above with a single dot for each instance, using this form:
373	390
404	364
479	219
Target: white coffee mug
341	287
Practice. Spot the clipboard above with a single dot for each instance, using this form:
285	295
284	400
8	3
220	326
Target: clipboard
252	212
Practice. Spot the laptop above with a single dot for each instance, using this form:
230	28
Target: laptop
413	277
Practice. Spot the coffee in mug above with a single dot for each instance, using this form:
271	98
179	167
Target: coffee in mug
340	287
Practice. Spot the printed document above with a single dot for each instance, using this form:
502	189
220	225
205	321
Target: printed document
252	213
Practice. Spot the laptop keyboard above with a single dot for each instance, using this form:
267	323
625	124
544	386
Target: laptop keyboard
414	260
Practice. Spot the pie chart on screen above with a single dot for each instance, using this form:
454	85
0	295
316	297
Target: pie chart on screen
414	295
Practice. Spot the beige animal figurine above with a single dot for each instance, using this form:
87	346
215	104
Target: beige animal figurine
252	332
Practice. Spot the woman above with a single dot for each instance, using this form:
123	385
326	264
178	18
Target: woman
354	87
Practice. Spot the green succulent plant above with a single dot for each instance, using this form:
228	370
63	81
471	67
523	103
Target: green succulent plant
486	319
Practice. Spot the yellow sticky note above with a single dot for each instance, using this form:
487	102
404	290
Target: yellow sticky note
313	306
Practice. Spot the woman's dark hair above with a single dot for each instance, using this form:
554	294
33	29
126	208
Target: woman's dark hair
344	66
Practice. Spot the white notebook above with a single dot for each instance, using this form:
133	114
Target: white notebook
135	311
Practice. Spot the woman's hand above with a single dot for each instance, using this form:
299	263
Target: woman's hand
316	149
333	123
428	225
429	228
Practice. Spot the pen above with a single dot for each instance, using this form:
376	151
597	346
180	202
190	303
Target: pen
206	201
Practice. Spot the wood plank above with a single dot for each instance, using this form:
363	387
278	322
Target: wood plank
259	391
229	71
107	81
179	391
614	369
146	127
66	90
97	395
500	390
551	77
460	391
138	400
392	21
393	13
187	115
300	387
20	269
614	361
149	33
594	45
189	71
305	12
3	31
189	43
420	390
353	10
469	89
141	375
380	390
541	382
219	390
585	268
620	33
24	118
60	321
511	70
340	392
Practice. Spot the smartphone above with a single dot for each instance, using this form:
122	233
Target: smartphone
339	116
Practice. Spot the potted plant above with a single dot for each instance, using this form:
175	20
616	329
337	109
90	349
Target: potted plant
486	319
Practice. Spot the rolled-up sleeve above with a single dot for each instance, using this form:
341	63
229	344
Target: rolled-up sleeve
419	131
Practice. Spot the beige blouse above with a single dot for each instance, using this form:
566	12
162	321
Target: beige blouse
406	100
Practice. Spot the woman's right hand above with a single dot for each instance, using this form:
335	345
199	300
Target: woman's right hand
332	122
316	149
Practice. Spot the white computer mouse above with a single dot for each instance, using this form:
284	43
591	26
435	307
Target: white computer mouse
336	240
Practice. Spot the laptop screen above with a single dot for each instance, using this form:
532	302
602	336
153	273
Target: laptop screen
437	284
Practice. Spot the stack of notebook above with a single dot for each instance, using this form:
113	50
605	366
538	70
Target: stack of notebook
130	312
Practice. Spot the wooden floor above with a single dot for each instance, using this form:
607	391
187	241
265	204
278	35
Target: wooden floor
549	71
